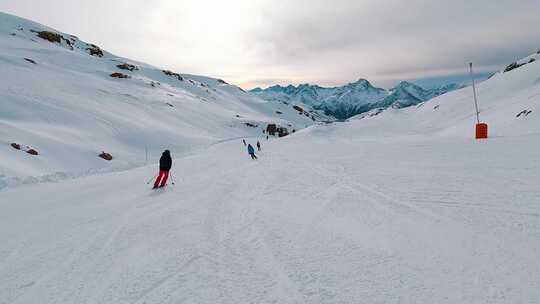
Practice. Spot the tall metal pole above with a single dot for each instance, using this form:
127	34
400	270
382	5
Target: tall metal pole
146	155
474	92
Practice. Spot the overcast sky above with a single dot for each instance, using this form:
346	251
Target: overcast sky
264	42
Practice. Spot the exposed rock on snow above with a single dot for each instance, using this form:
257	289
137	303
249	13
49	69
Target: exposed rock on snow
95	50
271	129
50	36
251	125
282	131
299	109
26	149
119	75
106	156
173	74
513	66
54	38
128	67
522	62
32	151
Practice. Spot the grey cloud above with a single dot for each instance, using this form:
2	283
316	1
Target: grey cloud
327	42
395	37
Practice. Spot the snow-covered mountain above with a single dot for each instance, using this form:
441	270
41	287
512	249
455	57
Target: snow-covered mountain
70	100
354	98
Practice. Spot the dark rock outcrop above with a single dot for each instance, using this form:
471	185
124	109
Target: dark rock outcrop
299	109
53	38
173	74
512	66
128	67
94	50
282	131
32	151
106	156
119	75
271	129
50	36
251	125
26	149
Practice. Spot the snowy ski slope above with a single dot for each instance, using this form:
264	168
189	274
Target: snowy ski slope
400	207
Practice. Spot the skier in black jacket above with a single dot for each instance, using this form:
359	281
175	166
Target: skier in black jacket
165	164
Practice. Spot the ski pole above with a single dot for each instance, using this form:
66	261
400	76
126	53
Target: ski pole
172	179
151	179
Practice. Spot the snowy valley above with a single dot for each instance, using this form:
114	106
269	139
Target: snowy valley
395	205
70	100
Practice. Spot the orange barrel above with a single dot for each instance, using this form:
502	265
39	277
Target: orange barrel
481	131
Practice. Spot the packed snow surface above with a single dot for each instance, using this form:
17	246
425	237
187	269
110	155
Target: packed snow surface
323	217
394	206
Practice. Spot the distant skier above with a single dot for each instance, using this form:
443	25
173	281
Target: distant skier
244	141
165	164
251	152
258	146
266	137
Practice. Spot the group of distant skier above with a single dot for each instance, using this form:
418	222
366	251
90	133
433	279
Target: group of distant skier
251	150
165	163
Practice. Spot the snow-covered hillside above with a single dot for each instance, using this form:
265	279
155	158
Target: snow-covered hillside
58	98
508	102
354	98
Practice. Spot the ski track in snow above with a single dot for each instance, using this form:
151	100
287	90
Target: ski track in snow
285	229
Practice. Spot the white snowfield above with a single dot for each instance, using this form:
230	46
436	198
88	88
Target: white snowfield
401	207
